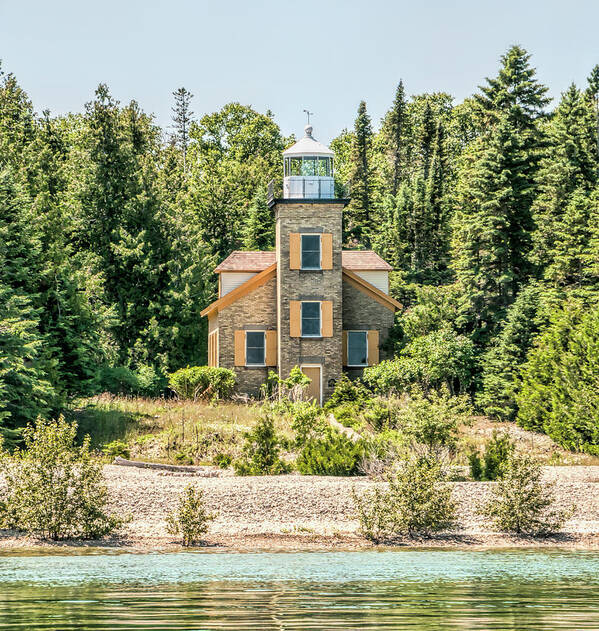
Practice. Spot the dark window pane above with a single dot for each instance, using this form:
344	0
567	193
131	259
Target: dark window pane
311	251
356	348
311	318
254	347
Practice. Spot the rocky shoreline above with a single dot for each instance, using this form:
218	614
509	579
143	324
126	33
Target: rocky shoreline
293	512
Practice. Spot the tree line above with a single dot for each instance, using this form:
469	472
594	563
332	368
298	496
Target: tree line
487	210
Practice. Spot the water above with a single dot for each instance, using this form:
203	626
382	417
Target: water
389	589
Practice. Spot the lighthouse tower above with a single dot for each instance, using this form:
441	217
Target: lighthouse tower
309	270
308	169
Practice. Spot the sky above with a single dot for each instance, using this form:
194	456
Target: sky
324	55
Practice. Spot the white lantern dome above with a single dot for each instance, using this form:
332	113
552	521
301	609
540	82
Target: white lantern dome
308	169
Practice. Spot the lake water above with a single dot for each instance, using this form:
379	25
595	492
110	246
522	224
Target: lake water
387	589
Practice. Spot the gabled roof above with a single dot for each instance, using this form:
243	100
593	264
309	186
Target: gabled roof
245	288
239	261
355	260
374	292
363	260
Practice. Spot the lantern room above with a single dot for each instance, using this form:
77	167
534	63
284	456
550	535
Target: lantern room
308	169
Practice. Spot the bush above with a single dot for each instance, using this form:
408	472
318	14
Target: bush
418	501
307	421
496	455
333	454
191	518
55	489
559	394
261	451
347	391
116	448
433	420
202	382
521	503
145	381
388	377
222	460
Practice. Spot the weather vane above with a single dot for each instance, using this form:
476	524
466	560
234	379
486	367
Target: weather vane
309	114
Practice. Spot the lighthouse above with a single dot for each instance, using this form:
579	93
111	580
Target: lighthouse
308	169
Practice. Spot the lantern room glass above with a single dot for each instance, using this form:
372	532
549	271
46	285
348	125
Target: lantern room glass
309	166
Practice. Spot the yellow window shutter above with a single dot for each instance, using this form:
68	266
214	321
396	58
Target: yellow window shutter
344	350
271	348
295	318
326	315
373	348
326	251
295	250
240	348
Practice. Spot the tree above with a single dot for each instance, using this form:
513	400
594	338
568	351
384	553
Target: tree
497	185
182	117
191	518
359	211
259	228
54	488
593	95
395	130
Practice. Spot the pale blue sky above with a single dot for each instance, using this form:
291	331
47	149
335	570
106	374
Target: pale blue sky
326	55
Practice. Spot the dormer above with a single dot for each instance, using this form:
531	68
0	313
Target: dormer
308	168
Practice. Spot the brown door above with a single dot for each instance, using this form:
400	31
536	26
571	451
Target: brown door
313	389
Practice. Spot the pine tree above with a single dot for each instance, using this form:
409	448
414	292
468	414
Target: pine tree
360	209
568	171
259	229
395	130
493	228
182	117
592	94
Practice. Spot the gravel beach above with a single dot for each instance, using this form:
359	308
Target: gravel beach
310	512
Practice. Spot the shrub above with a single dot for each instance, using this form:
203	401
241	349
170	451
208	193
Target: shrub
307	421
203	382
388	377
55	489
347	391
497	453
145	381
433	419
191	518
260	454
290	389
522	502
222	460
418	501
116	448
332	454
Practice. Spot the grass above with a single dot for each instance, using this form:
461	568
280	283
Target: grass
168	430
188	432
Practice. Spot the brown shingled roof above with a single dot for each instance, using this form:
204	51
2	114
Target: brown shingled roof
362	260
356	260
239	261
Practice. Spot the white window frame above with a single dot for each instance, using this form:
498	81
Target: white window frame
312	234
319	302
246	348
347	349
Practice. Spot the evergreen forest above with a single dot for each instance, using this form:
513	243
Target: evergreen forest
487	209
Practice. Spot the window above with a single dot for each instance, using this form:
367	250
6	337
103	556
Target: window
310	251
311	319
254	348
357	348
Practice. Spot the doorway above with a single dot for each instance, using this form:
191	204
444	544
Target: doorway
314	389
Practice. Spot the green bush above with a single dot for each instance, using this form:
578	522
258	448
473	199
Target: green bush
522	503
116	448
347	391
558	393
418	501
497	452
430	361
433	419
332	454
191	518
144	382
54	488
261	450
307	421
202	382
222	460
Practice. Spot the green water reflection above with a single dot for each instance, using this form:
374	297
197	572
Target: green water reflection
357	590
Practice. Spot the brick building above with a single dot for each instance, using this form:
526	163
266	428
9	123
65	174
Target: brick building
308	303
